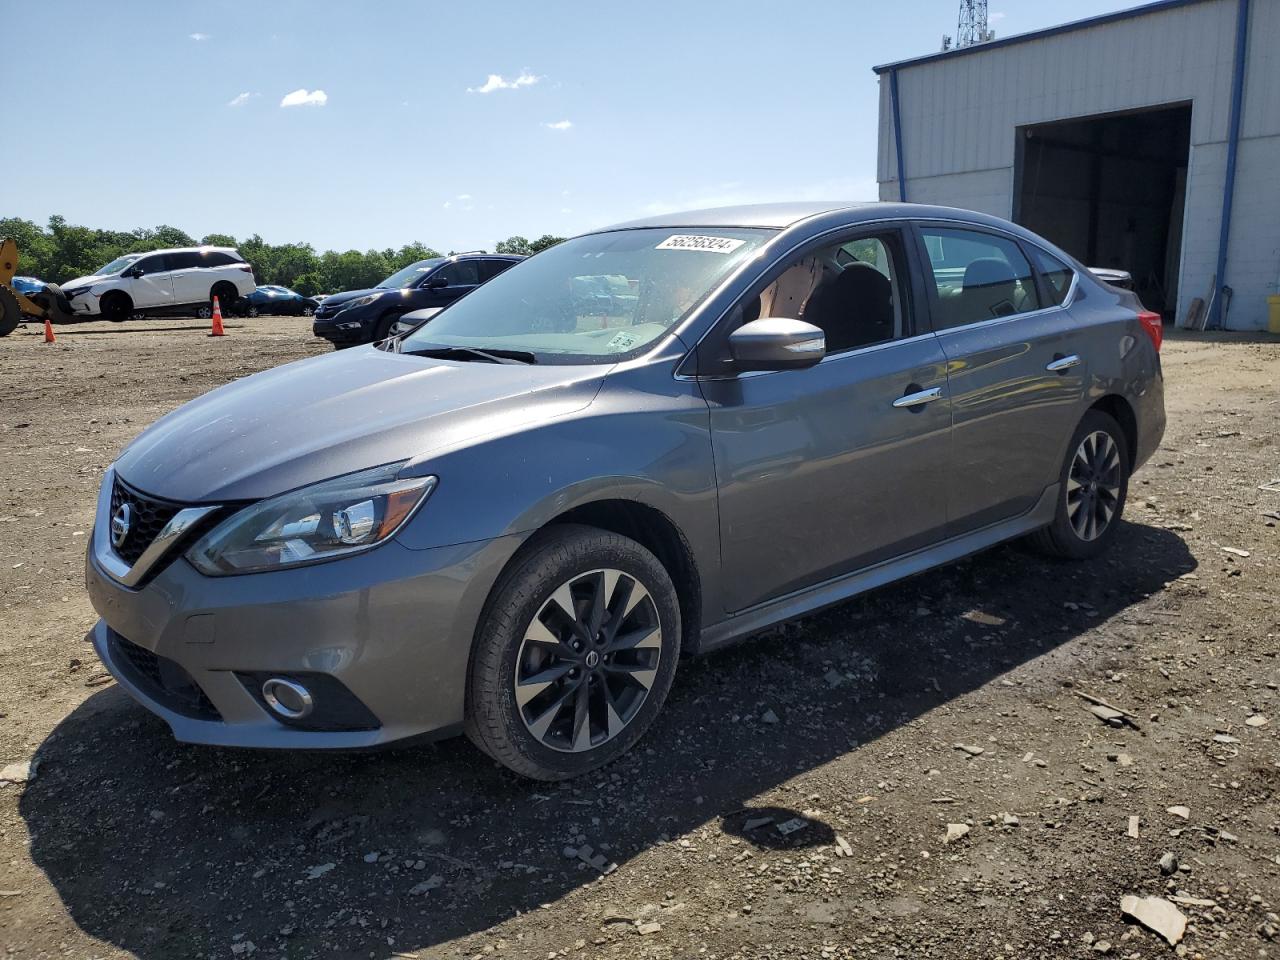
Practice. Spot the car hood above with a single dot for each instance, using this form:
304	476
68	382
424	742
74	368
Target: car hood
326	416
86	281
337	299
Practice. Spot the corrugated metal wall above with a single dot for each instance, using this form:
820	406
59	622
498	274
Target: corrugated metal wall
960	115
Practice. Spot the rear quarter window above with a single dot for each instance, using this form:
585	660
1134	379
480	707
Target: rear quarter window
1057	275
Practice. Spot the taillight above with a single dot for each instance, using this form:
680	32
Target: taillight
1154	326
246	268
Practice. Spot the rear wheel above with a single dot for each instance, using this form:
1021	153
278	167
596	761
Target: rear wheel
227	295
574	655
253	311
116	307
10	314
1093	485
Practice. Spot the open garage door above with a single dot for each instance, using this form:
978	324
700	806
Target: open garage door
1110	190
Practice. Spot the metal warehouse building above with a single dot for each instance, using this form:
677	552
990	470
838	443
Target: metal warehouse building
1147	140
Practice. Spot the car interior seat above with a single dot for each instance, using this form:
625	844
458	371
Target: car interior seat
853	309
990	290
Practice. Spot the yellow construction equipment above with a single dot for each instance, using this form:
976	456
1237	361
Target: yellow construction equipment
48	304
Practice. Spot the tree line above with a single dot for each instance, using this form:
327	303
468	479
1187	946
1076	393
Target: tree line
62	251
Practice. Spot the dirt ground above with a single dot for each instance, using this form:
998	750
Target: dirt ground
128	844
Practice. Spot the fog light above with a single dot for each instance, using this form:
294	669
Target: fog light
288	698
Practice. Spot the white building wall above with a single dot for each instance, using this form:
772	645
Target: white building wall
960	116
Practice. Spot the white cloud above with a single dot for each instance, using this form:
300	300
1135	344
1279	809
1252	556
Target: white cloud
448	204
302	98
197	37
464	196
559	125
996	17
566	210
240	99
496	82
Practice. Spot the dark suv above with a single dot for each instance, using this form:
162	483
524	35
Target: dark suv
366	316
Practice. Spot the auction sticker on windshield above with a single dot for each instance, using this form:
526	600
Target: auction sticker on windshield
684	241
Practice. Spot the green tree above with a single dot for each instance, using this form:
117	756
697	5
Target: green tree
543	242
218	240
35	247
516	244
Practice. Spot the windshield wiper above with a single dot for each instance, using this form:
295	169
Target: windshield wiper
522	357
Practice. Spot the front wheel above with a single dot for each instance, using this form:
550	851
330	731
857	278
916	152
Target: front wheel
574	655
1093	485
116	307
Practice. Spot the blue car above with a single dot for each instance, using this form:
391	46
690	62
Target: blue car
27	285
272	299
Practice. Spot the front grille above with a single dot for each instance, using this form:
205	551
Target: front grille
149	518
163	680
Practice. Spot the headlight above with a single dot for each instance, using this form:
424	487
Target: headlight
363	301
72	294
332	519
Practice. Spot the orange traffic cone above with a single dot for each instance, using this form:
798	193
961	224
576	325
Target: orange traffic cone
48	332
217	320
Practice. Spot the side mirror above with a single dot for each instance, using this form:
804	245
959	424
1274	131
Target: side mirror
435	283
133	272
776	343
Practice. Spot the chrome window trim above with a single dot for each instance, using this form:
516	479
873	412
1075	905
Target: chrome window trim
111	562
984	228
777	259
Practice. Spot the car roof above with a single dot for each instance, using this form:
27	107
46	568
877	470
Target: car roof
198	249
779	216
487	256
817	217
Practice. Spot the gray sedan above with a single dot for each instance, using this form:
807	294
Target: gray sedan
516	519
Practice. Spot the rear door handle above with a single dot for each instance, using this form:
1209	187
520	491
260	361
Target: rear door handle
918	399
1060	364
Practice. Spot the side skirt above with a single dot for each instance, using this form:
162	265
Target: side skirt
826	594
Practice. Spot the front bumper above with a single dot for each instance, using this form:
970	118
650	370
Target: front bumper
394	626
340	329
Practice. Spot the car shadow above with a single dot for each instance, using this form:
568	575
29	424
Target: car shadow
166	850
196	325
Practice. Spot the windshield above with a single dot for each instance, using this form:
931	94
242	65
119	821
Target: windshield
115	266
410	275
595	299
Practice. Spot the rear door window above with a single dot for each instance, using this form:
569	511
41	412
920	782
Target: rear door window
491	268
978	276
184	261
1057	275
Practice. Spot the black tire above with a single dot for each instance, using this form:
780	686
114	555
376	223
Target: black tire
383	329
205	310
253	312
565	558
10	314
116	307
228	298
1085	493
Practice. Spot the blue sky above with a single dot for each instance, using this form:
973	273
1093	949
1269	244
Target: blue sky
145	113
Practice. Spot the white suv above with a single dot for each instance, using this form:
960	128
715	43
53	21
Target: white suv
163	281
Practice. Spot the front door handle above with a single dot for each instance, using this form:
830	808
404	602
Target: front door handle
918	399
1061	364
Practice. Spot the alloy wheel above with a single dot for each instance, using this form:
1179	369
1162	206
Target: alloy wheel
588	660
1093	485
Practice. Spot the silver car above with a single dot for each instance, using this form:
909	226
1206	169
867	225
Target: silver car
641	444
